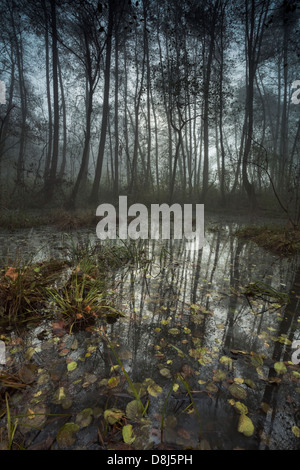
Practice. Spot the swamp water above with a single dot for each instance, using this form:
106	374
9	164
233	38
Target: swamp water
185	312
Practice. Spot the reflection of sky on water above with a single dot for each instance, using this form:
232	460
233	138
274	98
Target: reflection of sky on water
188	300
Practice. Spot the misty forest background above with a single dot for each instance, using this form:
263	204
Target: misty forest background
162	101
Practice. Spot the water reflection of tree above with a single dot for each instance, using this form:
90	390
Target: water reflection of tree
233	299
281	352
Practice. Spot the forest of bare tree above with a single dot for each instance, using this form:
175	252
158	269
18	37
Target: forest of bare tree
161	101
121	334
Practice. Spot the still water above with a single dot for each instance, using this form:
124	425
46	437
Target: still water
184	312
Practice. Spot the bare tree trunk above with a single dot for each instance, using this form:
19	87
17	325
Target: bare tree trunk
254	34
138	96
116	120
206	96
17	38
47	65
64	121
50	181
96	185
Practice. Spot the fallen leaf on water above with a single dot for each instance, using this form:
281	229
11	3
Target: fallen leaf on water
84	418
127	433
113	382
134	410
29	353
225	360
154	389
113	415
211	387
280	367
71	366
237	391
296	431
245	425
250	383
256	359
219	375
165	372
238	380
174	331
65	436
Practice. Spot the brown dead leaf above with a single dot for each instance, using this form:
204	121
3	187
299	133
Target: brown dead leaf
12	273
58	328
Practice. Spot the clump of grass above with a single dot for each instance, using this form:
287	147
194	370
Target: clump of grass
22	290
104	254
279	240
83	300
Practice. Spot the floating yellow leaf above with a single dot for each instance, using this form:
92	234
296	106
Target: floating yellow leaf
174	331
154	389
237	391
195	307
127	433
241	407
201	382
296	431
280	367
29	353
71	366
113	381
31	413
113	415
238	380
245	425
165	372
250	383
219	375
225	360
